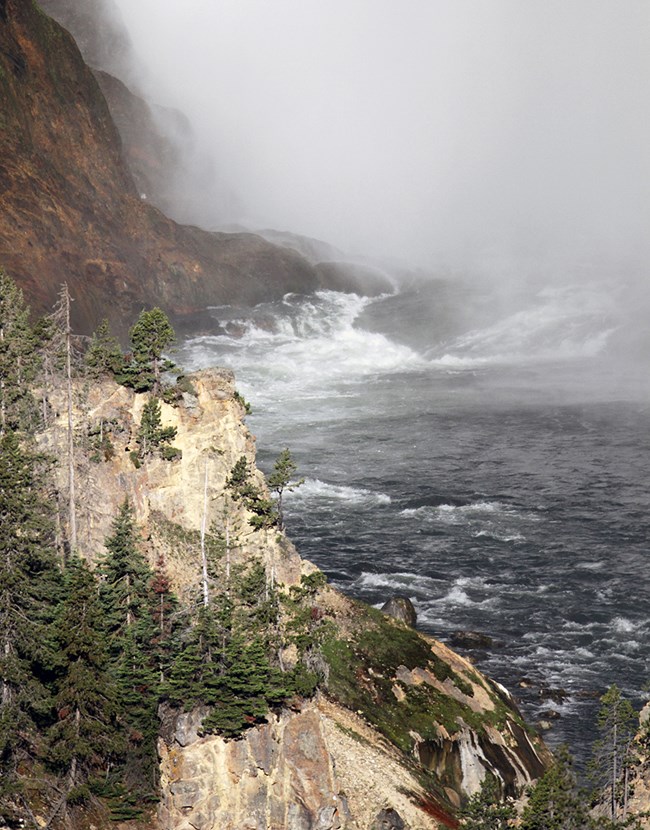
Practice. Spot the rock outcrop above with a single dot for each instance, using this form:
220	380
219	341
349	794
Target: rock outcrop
168	497
402	609
402	729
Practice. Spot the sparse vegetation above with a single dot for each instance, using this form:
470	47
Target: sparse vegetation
153	436
242	402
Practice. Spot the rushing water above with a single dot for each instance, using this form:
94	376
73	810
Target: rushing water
495	472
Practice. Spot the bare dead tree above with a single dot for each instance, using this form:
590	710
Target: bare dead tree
62	344
204	558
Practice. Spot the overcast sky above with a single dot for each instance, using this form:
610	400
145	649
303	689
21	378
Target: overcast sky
477	134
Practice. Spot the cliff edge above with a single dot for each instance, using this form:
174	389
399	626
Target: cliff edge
398	728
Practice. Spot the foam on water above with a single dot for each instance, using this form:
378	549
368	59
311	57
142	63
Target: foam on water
453	512
314	489
623	626
489	491
499	537
300	347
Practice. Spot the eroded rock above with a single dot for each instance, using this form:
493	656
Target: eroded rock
471	640
402	609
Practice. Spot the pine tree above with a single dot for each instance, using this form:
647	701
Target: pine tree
104	355
150	336
85	734
151	433
614	752
280	481
125	577
199	662
62	343
485	810
19	361
555	803
29	585
128	605
225	661
164	611
265	514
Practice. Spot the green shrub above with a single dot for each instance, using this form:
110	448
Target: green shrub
171	453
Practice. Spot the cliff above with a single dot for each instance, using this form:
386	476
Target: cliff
71	211
400	729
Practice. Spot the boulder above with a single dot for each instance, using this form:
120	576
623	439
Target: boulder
471	639
401	608
556	695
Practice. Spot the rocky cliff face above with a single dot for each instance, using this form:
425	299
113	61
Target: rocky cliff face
70	209
168	496
402	729
159	144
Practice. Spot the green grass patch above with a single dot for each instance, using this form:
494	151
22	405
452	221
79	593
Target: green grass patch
362	676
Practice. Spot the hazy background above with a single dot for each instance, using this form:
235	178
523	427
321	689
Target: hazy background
477	135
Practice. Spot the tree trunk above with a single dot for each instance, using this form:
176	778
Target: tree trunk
6	687
614	770
161	628
129	615
3	406
68	371
204	559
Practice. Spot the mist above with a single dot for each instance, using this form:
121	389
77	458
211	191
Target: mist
510	136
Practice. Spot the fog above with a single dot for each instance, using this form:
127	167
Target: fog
509	136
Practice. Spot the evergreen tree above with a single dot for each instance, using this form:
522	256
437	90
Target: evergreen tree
104	355
239	479
265	514
280	481
62	343
29	585
150	336
128	605
614	752
18	358
198	663
164	611
485	810
125	578
85	734
151	433
225	662
555	803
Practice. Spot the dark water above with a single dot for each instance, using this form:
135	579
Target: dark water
496	474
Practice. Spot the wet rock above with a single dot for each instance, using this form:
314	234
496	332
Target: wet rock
550	714
544	725
471	639
388	819
556	695
589	694
401	608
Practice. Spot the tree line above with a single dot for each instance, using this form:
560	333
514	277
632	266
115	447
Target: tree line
88	655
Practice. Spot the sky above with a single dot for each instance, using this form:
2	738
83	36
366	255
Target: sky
471	135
